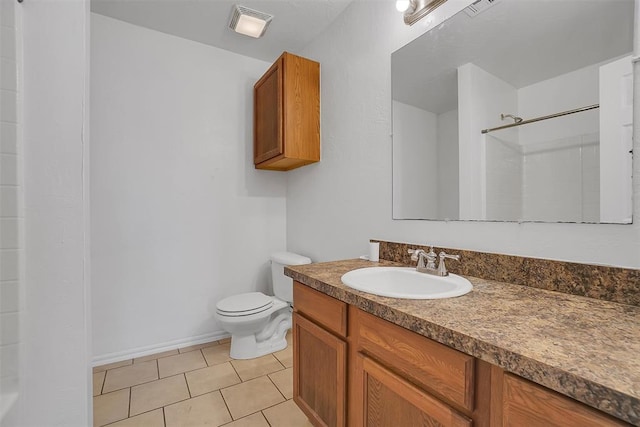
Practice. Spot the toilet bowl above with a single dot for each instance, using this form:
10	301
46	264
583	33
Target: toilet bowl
258	323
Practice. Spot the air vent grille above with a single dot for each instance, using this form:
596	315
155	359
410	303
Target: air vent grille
479	6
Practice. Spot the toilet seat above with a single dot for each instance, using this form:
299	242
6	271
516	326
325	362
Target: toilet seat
244	304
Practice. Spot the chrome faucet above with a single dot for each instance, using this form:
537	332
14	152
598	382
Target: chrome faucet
427	261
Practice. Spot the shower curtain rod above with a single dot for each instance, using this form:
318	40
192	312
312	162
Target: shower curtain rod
550	116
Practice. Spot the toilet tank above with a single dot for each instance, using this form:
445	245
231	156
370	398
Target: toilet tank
283	285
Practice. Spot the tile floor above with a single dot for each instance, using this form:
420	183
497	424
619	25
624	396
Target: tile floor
197	386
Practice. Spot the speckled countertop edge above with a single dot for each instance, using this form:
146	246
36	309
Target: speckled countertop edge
584	348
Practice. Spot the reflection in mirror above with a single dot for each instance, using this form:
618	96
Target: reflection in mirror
554	78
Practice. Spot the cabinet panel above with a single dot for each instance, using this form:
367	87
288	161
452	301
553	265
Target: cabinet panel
319	373
531	405
390	400
287	114
267	111
302	111
444	371
323	309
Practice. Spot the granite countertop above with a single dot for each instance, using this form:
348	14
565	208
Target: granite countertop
584	348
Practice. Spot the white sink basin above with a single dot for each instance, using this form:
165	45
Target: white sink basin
406	282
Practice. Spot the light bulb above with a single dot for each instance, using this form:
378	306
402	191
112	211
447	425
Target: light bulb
402	5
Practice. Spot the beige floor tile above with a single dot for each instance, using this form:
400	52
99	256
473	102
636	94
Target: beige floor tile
148	419
210	379
289	338
255	420
98	380
284	381
110	407
206	410
218	354
285	356
252	396
112	365
155	356
172	365
197	346
225	340
253	368
157	394
131	375
286	414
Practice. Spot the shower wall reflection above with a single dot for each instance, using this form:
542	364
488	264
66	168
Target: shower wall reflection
450	85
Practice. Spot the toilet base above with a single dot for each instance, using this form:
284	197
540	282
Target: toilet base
271	339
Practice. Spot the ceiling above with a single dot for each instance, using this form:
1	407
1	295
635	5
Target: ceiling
519	41
295	22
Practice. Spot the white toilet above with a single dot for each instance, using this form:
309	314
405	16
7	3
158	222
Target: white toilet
258	323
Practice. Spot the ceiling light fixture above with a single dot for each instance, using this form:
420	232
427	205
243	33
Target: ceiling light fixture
415	10
249	22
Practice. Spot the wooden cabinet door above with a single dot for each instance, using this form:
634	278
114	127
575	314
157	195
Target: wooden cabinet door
390	400
531	405
267	112
319	373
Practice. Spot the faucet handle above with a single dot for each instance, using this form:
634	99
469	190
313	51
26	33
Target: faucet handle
414	254
442	268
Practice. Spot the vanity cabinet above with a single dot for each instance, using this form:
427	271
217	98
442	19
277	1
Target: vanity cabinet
398	377
391	376
320	356
286	110
528	404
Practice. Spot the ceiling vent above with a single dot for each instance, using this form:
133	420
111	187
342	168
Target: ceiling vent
479	6
249	22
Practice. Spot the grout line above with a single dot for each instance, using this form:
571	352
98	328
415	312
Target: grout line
265	417
144	383
277	388
110	369
227	406
205	359
236	371
104	380
184	374
141	413
164	417
129	409
154	358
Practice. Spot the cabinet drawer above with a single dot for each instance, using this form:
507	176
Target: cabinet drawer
441	370
323	309
389	400
529	404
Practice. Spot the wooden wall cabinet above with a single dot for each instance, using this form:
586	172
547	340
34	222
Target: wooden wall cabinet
352	368
286	109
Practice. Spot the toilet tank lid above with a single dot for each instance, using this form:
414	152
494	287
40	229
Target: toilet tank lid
289	258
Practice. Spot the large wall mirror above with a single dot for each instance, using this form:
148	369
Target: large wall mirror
521	111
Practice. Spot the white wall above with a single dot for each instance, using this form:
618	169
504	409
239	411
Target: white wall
482	97
504	179
579	88
180	217
11	212
552	189
559	169
447	183
56	381
415	162
349	192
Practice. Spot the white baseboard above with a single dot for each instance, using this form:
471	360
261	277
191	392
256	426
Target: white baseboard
157	348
